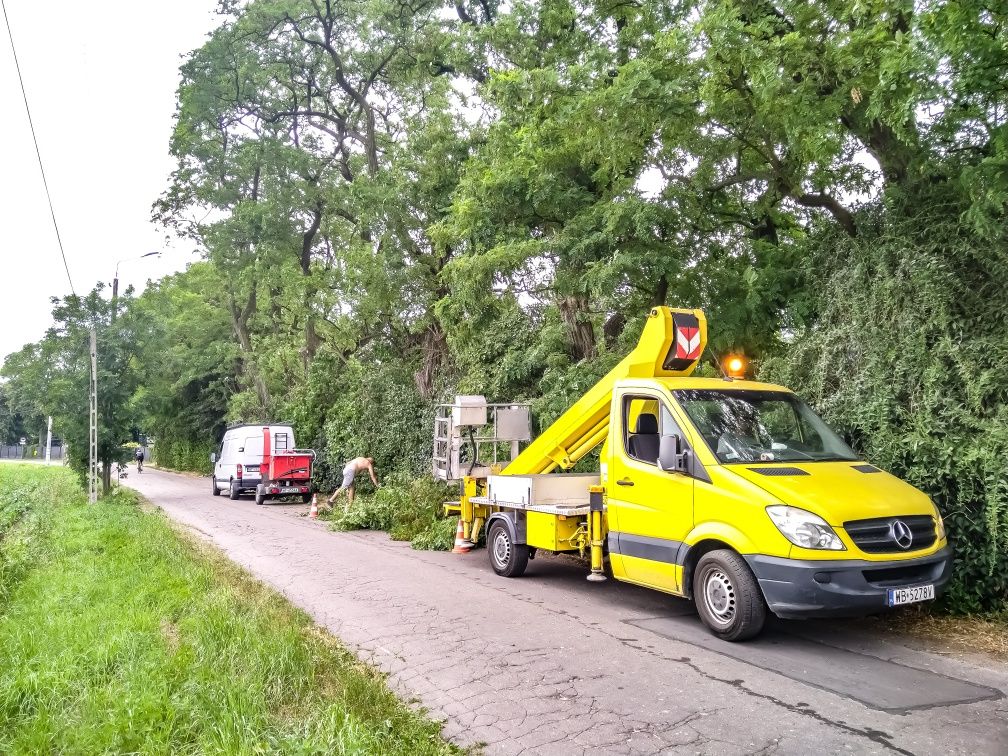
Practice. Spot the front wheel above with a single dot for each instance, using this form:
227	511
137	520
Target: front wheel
727	596
213	482
508	559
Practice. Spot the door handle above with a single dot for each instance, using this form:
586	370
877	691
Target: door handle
624	482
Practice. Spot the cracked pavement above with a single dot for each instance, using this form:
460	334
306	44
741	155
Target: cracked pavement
552	664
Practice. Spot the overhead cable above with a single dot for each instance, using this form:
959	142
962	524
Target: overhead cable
38	153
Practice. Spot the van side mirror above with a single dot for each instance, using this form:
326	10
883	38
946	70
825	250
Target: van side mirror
213	456
671	455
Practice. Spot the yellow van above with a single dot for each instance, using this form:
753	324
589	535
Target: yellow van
730	492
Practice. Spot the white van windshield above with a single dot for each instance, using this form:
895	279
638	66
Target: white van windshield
761	426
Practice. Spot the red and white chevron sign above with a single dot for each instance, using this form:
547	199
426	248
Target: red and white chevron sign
687	342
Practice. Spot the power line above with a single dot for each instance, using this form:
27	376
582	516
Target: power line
38	154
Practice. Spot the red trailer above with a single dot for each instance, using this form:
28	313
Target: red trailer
285	472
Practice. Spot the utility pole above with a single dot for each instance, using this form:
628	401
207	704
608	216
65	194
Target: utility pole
93	468
48	442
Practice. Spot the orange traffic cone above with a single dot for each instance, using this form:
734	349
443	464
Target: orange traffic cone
462	546
314	507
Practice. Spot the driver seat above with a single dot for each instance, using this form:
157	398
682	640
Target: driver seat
644	441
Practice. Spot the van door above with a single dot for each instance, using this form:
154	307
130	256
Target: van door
251	452
219	464
650	511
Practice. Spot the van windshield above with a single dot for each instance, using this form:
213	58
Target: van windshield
761	426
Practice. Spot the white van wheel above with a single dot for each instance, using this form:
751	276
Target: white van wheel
235	490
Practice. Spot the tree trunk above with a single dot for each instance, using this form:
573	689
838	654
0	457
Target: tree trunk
307	243
239	323
580	332
613	327
660	292
434	354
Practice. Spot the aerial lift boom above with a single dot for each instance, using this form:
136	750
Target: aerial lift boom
670	345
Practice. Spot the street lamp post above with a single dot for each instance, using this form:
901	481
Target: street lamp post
115	281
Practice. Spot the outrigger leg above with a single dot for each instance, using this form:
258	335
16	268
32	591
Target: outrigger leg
597	575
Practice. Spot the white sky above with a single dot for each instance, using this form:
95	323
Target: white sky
101	80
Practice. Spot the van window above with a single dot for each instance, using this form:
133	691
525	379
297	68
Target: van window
742	425
640	428
253	446
281	441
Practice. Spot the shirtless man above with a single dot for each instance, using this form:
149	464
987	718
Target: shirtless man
354	466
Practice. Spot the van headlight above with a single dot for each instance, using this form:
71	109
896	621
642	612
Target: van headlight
804	528
939	522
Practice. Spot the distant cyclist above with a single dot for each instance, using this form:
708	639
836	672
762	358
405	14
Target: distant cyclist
139	454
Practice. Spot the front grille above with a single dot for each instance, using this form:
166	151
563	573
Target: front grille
888	577
875	536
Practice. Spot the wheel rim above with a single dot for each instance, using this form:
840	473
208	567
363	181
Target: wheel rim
501	549
719	596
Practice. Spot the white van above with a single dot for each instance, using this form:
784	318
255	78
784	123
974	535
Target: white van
236	462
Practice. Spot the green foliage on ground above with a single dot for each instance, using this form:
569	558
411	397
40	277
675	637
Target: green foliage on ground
120	636
410	510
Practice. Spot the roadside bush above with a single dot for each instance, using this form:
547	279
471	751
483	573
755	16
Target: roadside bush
183	454
907	356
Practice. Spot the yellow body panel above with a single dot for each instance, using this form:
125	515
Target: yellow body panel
550	531
648	573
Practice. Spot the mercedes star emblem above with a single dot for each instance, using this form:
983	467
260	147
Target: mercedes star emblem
901	534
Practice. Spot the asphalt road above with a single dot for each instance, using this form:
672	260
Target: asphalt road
550	663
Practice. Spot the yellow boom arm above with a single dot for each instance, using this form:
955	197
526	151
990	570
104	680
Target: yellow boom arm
671	345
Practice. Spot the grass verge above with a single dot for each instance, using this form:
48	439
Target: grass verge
117	634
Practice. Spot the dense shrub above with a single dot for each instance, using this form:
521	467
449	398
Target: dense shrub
183	454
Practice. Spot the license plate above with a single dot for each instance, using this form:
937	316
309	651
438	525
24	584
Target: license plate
898	596
290	490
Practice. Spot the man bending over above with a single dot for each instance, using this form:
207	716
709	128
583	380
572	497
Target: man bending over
354	466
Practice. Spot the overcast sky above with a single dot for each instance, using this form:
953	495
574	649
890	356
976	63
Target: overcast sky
101	80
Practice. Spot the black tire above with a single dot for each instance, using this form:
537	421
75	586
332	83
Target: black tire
260	495
235	490
213	482
727	596
306	498
508	559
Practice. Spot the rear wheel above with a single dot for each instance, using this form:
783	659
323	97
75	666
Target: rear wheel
508	559
260	496
235	490
213	482
727	596
306	498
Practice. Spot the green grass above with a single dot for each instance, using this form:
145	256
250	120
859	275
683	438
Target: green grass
117	634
